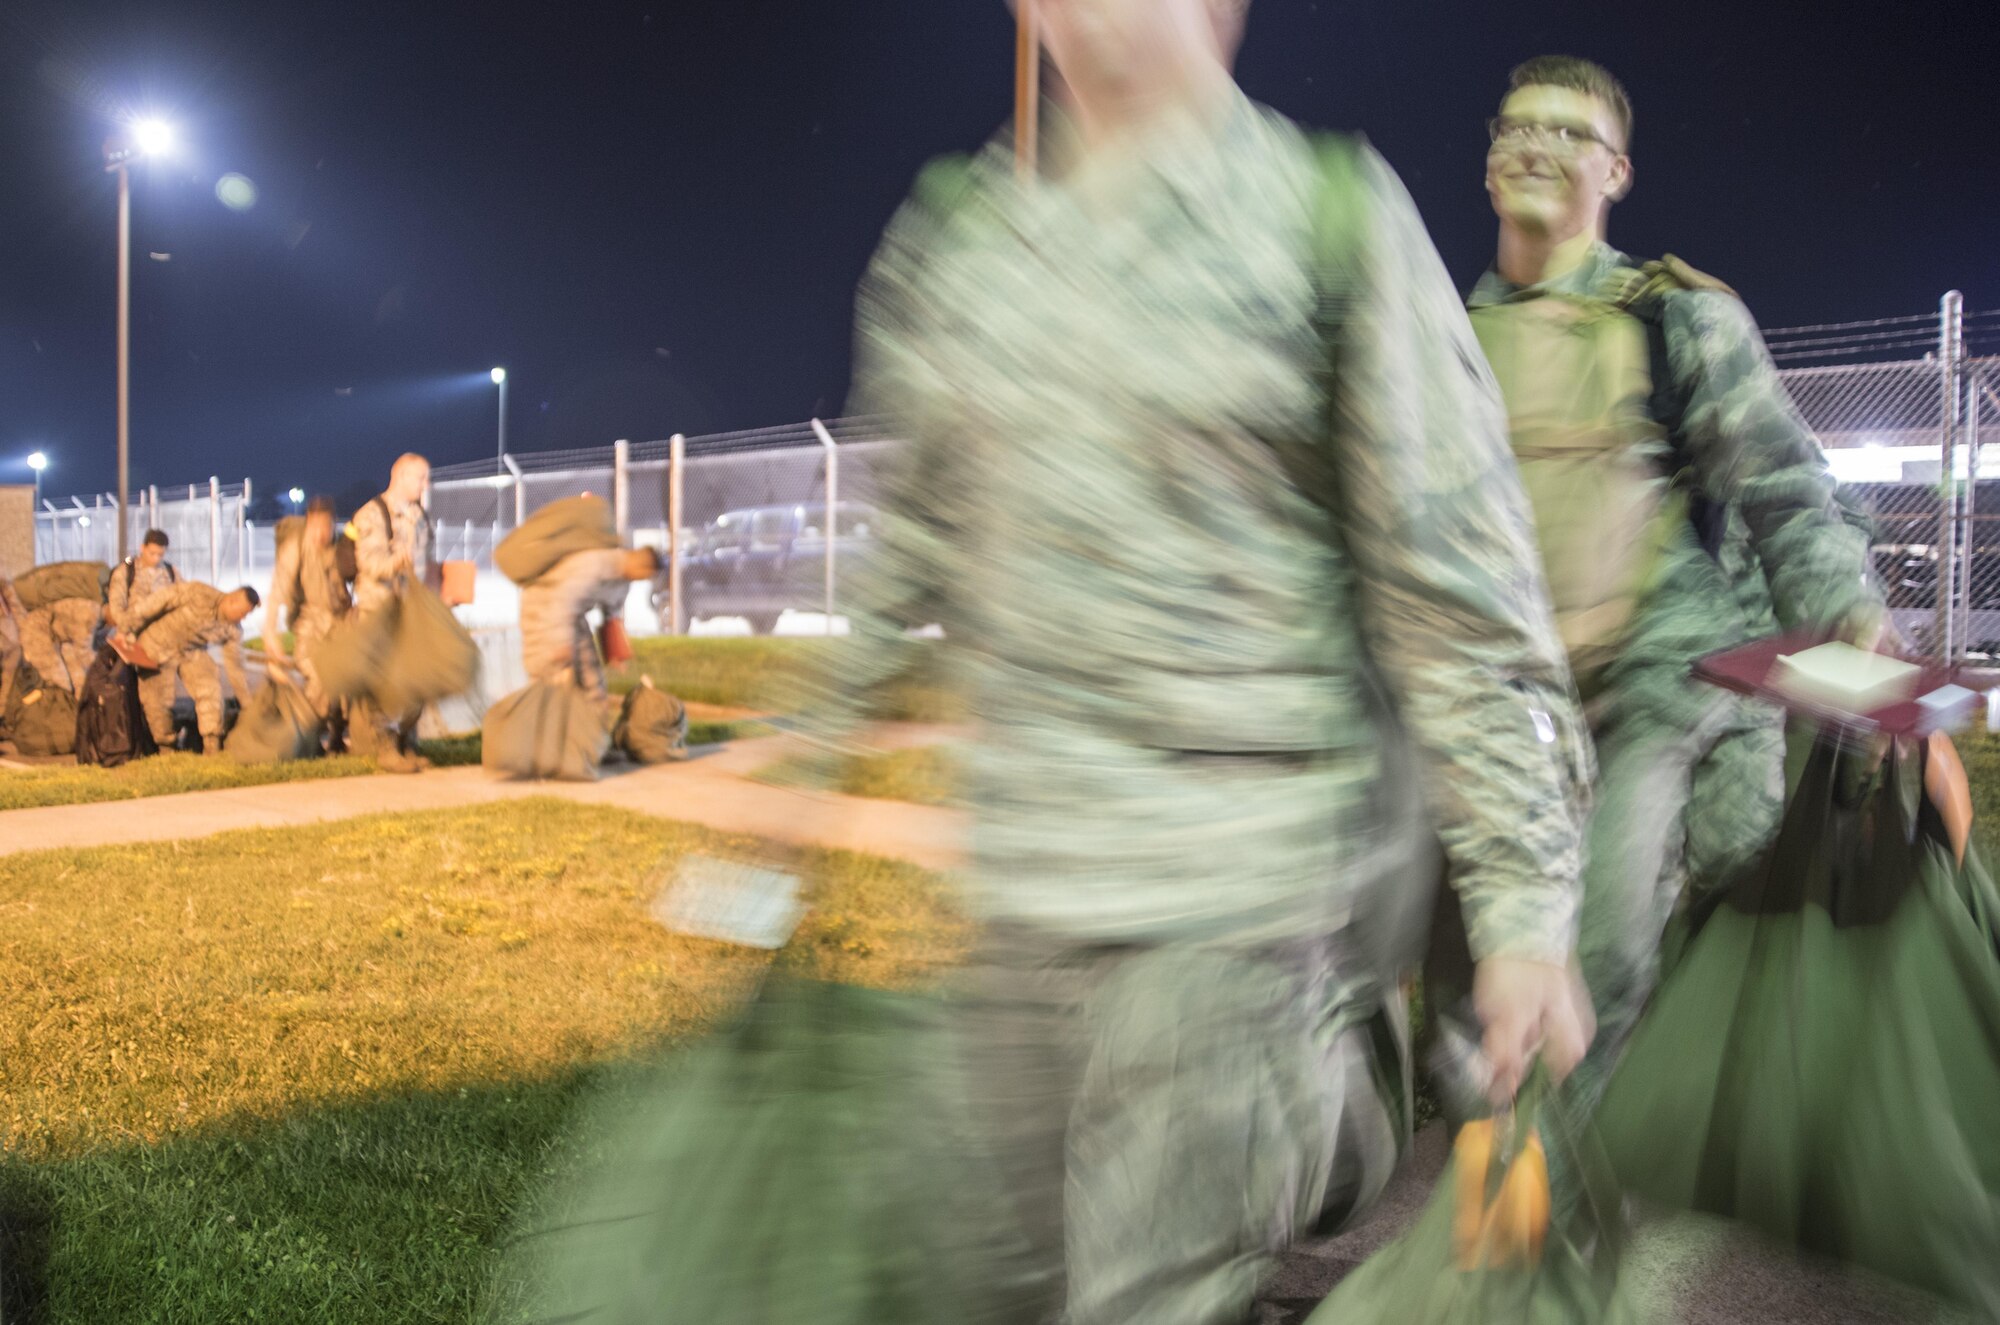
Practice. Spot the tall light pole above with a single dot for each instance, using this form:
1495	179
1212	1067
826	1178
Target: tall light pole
499	376
38	462
145	138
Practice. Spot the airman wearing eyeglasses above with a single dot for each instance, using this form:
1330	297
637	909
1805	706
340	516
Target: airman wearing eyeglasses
1649	422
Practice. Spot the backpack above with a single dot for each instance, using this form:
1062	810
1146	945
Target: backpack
60	580
110	722
41	718
573	524
1595	420
130	566
347	547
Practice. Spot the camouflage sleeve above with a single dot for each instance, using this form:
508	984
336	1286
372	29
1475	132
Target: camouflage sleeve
1452	600
157	604
232	663
1753	450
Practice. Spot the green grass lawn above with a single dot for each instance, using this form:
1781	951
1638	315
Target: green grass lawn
925	776
772	675
170	774
310	1075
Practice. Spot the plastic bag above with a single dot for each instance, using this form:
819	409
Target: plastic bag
545	730
1824	1061
1453	1268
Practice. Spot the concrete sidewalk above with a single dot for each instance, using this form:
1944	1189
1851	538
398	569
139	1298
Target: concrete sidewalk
711	788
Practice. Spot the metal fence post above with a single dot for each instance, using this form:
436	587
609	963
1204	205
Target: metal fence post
832	520
520	490
242	536
1951	344
153	496
621	486
676	486
214	529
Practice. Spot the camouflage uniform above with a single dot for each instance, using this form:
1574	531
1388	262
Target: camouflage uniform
182	622
307	587
1791	557
12	617
133	583
556	643
57	640
381	545
1217	630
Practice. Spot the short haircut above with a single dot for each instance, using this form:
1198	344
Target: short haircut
659	563
321	505
405	460
249	593
1591	79
157	537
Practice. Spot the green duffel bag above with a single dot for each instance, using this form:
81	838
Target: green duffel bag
1459	1266
574	524
804	1166
277	725
1823	1063
652	726
410	653
430	656
545	730
63	579
351	659
41	718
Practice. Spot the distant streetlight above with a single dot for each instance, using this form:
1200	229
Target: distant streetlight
147	137
499	376
38	462
297	496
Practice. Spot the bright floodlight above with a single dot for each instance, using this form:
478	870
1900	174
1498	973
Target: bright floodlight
297	495
38	462
498	375
153	137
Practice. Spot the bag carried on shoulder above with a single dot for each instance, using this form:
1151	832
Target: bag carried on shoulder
573	524
63	579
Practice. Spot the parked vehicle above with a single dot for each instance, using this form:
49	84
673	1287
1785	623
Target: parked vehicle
759	562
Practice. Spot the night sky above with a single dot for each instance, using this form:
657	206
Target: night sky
655	214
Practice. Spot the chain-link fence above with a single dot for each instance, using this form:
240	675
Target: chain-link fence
757	526
207	524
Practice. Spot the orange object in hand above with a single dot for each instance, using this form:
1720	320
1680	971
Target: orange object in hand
1509	1229
612	643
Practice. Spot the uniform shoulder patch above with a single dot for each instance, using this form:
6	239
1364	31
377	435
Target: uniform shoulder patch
1687	278
943	183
